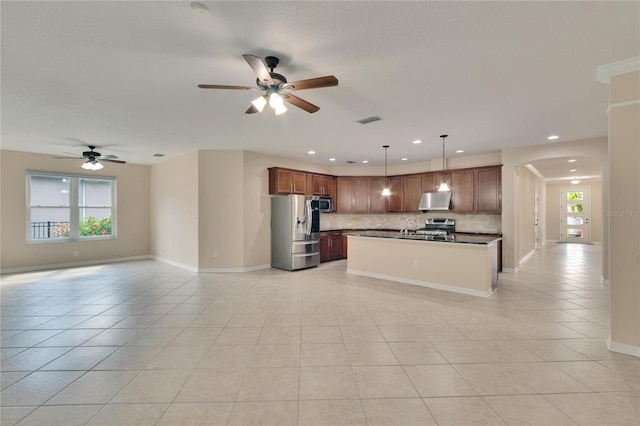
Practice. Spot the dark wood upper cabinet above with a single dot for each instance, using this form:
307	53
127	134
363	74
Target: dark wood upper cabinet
361	194
377	202
412	192
477	189
321	184
462	191
345	195
487	190
396	199
287	181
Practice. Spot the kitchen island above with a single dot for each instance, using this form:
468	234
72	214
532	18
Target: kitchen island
462	263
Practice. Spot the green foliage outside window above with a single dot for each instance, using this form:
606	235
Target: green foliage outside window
91	226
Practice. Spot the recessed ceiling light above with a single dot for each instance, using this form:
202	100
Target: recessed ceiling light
575	181
332	159
311	152
365	161
417	141
460	151
571	161
404	159
200	8
553	137
573	170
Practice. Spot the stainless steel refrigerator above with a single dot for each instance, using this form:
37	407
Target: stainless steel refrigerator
295	232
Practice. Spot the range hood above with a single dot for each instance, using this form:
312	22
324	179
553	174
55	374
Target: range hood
435	200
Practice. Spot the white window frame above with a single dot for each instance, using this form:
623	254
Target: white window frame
74	208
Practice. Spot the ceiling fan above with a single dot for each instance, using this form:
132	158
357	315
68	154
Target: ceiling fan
92	157
278	89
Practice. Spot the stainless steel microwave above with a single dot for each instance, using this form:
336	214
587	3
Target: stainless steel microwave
324	203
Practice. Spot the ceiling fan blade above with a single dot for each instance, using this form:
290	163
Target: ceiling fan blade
68	158
221	86
312	83
251	110
300	103
257	65
112	161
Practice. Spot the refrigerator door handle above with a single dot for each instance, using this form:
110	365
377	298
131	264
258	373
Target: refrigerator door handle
308	213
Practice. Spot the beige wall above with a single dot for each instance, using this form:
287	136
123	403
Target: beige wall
624	206
133	230
528	185
174	210
553	209
221	210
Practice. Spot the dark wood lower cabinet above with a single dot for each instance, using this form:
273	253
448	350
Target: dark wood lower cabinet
331	246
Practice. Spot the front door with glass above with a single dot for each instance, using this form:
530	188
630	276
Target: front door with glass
575	208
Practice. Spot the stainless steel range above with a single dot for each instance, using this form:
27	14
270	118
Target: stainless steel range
438	227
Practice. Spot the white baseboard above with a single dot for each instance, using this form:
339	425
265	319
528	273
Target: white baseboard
72	264
623	348
209	270
249	269
174	263
551	241
511	270
445	287
527	257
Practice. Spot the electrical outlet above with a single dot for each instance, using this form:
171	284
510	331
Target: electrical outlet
76	253
215	254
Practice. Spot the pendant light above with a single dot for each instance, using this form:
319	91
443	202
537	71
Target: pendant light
443	184
385	191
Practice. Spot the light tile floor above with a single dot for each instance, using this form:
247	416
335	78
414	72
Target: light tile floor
147	343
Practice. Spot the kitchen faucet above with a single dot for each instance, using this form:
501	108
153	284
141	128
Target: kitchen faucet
406	225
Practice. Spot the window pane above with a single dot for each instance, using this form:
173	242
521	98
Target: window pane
573	220
49	191
99	225
574	208
575	196
49	223
94	192
574	233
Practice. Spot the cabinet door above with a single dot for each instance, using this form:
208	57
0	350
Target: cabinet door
377	202
332	184
345	195
309	186
462	191
361	195
429	182
325	250
335	249
488	190
318	183
280	181
412	192
299	182
396	200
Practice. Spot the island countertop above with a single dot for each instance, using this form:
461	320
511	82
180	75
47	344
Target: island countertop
457	239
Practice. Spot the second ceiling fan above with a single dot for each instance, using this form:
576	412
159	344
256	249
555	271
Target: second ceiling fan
278	89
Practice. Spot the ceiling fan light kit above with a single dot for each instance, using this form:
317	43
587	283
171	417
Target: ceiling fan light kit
92	165
92	157
278	89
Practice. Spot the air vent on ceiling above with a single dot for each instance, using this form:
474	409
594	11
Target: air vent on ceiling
350	162
369	119
158	155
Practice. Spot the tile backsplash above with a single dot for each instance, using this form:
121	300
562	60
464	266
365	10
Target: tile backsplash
477	222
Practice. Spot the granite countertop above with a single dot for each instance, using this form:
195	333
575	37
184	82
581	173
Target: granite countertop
455	239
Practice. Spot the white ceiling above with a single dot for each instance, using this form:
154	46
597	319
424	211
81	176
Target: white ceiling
124	75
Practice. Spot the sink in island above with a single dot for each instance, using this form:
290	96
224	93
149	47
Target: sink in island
462	263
